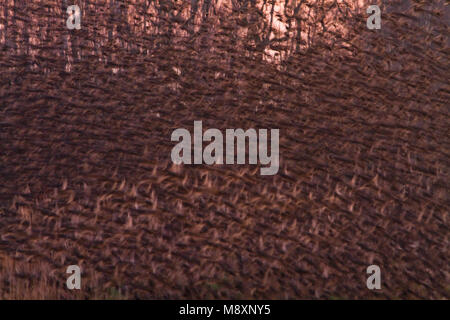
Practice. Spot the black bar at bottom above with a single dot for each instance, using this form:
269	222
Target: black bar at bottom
222	309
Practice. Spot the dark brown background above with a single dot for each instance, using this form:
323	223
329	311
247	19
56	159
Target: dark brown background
85	171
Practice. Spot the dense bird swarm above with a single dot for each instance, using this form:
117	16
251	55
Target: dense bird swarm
86	177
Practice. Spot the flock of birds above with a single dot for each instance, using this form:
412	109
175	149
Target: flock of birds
86	176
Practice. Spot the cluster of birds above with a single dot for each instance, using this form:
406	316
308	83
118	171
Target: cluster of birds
86	176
